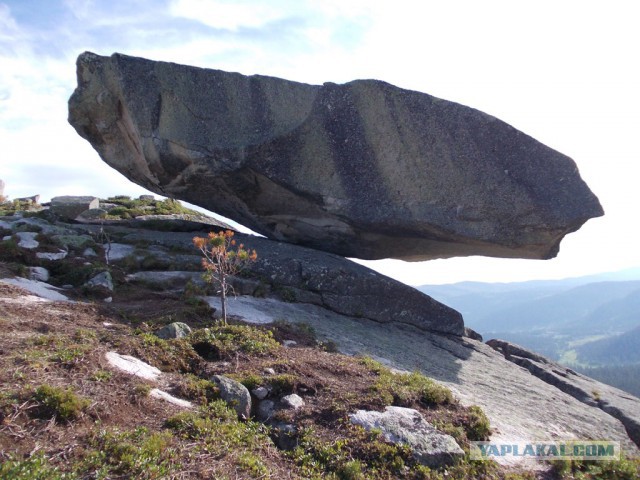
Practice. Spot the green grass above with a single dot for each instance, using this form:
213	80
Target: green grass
405	389
224	342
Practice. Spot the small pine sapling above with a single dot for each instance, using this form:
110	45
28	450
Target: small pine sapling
222	257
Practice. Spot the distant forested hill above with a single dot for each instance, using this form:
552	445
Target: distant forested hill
591	320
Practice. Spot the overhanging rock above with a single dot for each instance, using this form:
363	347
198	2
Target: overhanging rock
364	169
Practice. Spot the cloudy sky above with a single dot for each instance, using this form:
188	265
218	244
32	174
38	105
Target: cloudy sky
565	72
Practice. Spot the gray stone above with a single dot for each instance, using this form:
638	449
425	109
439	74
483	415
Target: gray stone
363	169
174	330
59	255
102	283
146	198
260	392
328	280
40	274
617	403
89	252
93	215
27	240
269	371
289	343
69	207
284	435
235	394
266	409
407	426
292	401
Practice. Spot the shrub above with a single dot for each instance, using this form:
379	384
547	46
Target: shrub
225	341
477	425
406	389
57	402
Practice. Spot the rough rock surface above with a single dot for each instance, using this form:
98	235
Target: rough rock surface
617	403
174	330
309	276
69	207
364	169
407	426
235	394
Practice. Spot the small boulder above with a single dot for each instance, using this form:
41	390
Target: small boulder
174	330
407	426
266	409
69	207
284	435
40	274
235	394
102	283
292	401
260	392
28	240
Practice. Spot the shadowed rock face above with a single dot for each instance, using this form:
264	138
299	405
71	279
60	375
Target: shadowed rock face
364	169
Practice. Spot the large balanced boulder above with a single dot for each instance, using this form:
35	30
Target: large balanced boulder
363	169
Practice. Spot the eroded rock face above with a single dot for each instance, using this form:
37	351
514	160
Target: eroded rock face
364	169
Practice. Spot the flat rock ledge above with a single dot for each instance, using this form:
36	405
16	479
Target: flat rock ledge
365	169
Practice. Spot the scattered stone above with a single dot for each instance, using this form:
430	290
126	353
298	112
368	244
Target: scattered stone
292	401
40	274
146	198
108	300
407	426
289	343
133	366
102	283
41	289
69	207
167	397
260	392
61	254
266	410
364	169
235	394
269	371
89	252
28	240
284	435
174	330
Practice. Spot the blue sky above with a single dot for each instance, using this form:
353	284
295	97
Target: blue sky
563	72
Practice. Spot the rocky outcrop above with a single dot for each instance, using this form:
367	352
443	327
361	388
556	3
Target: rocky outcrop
621	405
303	275
364	169
408	427
69	207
